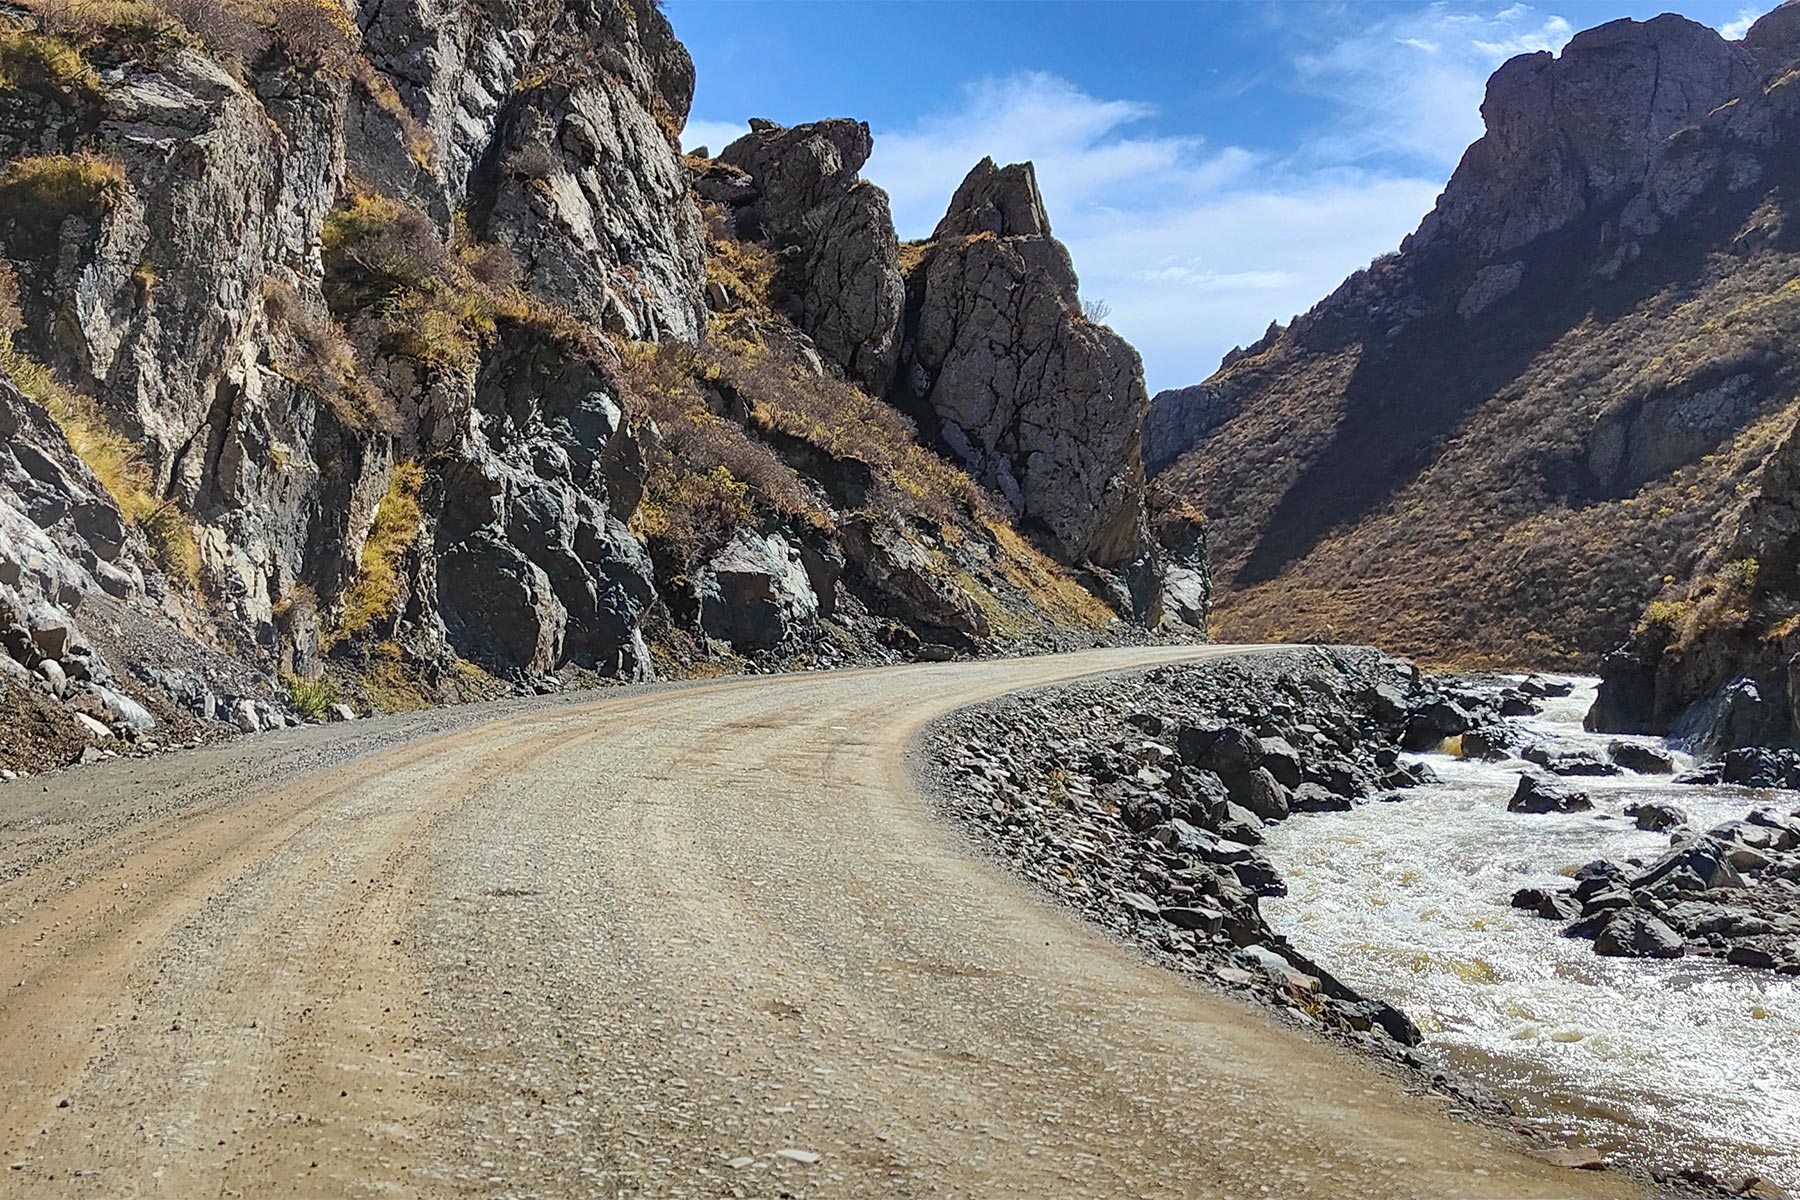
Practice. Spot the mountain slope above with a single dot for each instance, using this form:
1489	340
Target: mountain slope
1501	442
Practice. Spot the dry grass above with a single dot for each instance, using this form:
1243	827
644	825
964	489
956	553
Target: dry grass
38	194
376	591
314	35
398	290
46	65
115	459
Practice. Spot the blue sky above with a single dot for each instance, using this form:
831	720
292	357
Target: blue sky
1212	166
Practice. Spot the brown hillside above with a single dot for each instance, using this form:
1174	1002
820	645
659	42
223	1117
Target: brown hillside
1484	451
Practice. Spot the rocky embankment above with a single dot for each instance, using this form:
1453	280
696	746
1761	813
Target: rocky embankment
1142	802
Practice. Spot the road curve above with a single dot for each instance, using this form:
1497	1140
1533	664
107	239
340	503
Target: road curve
703	941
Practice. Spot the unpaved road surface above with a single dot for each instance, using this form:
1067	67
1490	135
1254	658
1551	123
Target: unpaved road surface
704	941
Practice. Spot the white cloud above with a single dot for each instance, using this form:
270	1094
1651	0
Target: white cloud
1736	29
1411	84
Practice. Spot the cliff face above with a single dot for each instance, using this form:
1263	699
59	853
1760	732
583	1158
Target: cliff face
1502	441
393	352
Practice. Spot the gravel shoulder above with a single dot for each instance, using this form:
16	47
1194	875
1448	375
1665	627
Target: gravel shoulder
693	941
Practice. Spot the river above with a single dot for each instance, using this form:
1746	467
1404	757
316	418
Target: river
1662	1063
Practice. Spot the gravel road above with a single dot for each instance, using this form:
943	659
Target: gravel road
690	941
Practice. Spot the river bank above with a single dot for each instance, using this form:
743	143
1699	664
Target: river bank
1159	807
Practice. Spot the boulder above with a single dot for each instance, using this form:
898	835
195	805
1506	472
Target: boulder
1280	760
1539	793
1642	759
1701	865
755	592
1633	934
1311	797
1438	719
1656	816
1762	767
1263	795
1568	762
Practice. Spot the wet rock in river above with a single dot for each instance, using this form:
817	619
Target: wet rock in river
1633	934
1656	816
1539	793
1568	762
1641	759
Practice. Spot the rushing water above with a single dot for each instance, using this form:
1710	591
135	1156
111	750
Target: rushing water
1663	1062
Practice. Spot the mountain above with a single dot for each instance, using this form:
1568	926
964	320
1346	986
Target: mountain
1569	394
391	354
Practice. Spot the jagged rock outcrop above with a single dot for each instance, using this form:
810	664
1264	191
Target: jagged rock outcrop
388	350
1572	132
1045	406
844	282
1499	441
557	126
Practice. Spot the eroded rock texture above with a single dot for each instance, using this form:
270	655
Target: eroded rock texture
838	230
1045	406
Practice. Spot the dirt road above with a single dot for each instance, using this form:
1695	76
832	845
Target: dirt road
693	942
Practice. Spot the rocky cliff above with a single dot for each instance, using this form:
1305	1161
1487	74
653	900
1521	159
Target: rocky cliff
375	355
1504	440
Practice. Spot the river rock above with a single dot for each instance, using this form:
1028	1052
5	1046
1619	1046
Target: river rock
1538	793
1280	760
1642	759
1568	762
1263	795
1633	934
1656	816
1699	866
1311	797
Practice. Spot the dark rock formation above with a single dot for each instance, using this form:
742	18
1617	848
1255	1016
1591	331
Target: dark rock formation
406	365
1045	406
846	259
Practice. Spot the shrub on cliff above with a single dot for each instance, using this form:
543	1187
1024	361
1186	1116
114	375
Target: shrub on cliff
38	194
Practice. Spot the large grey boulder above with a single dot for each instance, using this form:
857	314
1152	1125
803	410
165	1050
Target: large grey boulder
1541	793
1043	406
755	592
846	289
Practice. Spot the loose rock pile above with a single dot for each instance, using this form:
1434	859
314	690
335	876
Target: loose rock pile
1142	802
53	680
1732	892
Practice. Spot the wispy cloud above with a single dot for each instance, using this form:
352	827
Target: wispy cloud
1410	85
1736	29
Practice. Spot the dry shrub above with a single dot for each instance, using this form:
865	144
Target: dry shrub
38	194
46	65
400	292
707	475
325	364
